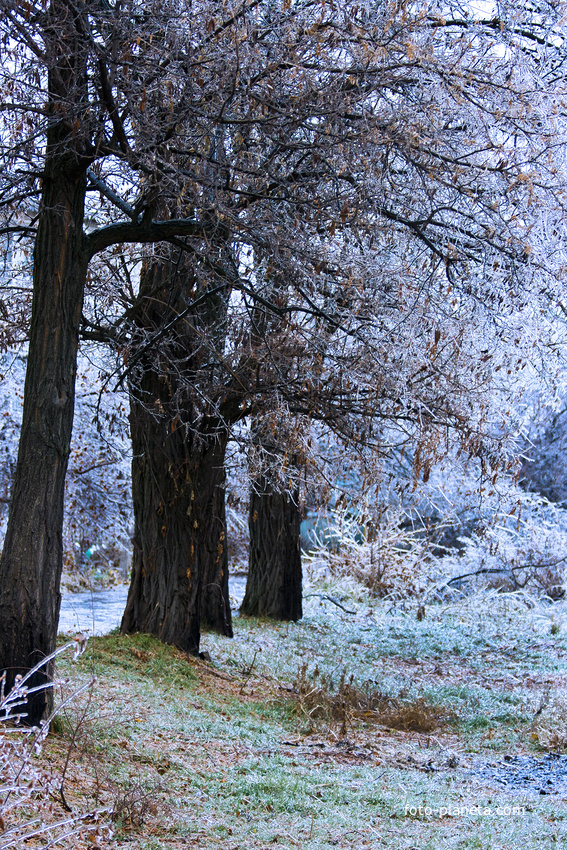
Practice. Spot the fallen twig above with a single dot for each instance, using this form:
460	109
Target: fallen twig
331	599
511	569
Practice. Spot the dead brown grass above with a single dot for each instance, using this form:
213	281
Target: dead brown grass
318	699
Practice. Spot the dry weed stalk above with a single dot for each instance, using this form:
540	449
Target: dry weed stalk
549	726
28	791
132	807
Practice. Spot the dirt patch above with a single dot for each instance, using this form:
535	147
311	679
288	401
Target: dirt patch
532	774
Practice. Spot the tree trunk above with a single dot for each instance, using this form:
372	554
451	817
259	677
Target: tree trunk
215	601
31	563
274	584
180	565
180	568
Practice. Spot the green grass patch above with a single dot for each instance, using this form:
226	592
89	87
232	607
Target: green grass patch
138	655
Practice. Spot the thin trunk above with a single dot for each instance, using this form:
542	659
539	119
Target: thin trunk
30	567
274	584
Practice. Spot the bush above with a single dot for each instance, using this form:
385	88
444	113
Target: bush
387	558
509	540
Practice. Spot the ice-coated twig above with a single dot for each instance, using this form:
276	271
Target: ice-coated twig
331	599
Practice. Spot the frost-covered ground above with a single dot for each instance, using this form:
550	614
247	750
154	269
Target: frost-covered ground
370	729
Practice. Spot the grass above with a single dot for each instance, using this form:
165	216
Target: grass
273	744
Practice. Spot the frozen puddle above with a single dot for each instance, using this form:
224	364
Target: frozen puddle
97	612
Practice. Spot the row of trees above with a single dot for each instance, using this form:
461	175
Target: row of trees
335	212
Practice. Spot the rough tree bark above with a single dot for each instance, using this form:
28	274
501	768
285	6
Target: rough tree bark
274	584
30	567
180	567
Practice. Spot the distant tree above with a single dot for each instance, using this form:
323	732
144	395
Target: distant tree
274	583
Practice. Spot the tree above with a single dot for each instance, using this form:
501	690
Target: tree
275	580
94	110
382	156
274	583
32	555
180	566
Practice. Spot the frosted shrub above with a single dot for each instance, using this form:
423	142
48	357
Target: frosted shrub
526	549
27	788
510	540
385	557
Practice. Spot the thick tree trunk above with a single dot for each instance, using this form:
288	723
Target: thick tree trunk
274	584
274	587
215	602
180	567
30	567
